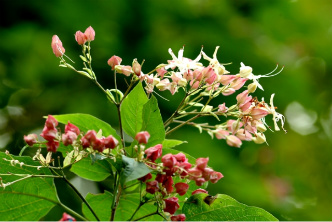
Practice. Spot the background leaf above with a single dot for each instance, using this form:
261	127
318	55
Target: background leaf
87	122
131	110
98	171
201	207
169	143
101	203
27	200
152	122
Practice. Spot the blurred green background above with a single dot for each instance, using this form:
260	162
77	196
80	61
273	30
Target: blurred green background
291	178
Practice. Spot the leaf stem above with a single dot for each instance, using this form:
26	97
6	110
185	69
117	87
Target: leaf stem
184	123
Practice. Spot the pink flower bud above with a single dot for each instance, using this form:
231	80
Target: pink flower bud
160	178
168	160
152	187
171	205
258	113
207	172
31	139
90	34
194	173
88	138
126	70
181	188
80	37
49	134
72	128
180	157
113	61
154	153
57	47
180	217
221	134
161	72
98	144
243	135
136	68
228	91
226	79
233	141
52	146
242	97
142	137
51	122
222	108
238	83
215	176
68	138
200	181
145	178
199	190
168	184
201	163
67	217
110	142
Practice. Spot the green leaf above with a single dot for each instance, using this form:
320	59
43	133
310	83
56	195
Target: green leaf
87	122
101	204
27	200
152	122
172	143
98	171
131	110
202	207
133	169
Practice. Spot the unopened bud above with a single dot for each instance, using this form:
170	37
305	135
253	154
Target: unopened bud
259	139
90	34
252	87
136	68
80	37
113	61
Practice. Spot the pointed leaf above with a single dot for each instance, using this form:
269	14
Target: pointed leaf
98	171
131	110
202	207
133	169
27	200
172	143
153	123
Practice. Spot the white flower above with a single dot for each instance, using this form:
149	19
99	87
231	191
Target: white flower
217	67
276	116
246	72
182	63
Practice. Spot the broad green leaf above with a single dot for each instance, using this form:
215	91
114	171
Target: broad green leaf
131	110
29	199
172	143
87	122
102	203
133	169
202	207
98	171
152	122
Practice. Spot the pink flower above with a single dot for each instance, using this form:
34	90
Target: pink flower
215	176
49	134
226	79
80	37
98	144
161	72
88	138
68	138
51	122
113	61
152	187
110	142
136	68
221	134
72	128
160	178
180	217
142	137
168	184
258	113
222	108
154	153
238	83
194	173
200	181
31	139
126	70
145	178
180	157
52	146
67	217
57	47
243	135
199	190
207	172
181	188
228	91
171	205
168	160
233	141
201	163
90	34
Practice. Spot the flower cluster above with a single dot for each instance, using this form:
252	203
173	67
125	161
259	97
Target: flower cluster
71	136
172	166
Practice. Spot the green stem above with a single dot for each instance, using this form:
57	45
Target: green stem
184	123
82	198
148	215
116	196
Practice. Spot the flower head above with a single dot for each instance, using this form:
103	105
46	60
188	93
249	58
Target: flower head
57	47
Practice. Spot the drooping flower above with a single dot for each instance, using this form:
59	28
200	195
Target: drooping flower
57	47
